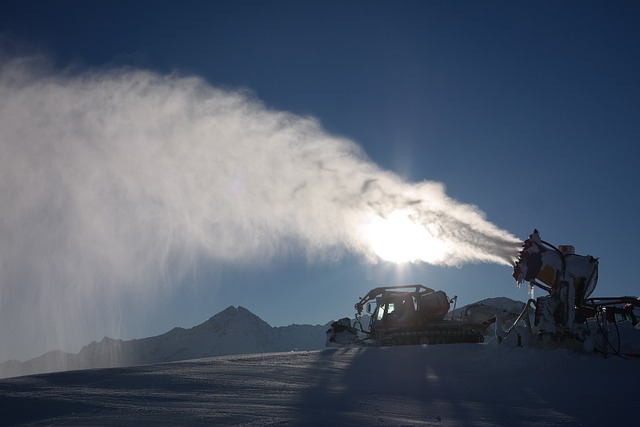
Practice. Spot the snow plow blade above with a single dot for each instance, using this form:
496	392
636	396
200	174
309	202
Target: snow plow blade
341	333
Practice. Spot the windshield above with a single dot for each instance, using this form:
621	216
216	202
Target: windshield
378	314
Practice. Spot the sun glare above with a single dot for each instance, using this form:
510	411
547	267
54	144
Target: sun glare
398	238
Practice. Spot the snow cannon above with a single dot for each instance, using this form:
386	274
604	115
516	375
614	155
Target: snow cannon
567	316
550	268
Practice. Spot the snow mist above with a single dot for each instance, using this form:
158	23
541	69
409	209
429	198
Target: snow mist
116	181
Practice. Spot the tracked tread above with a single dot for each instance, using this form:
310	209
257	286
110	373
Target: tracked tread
435	335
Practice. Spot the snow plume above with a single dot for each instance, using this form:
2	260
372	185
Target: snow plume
114	181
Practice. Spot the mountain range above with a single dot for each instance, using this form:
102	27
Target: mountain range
234	330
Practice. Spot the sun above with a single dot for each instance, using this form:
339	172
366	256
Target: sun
400	239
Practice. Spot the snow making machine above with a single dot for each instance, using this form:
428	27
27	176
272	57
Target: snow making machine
405	314
568	316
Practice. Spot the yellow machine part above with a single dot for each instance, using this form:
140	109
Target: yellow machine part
548	275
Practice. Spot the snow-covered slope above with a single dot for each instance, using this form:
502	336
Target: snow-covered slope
487	384
232	331
451	385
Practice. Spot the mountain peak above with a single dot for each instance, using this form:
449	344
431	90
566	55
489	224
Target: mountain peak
233	311
229	310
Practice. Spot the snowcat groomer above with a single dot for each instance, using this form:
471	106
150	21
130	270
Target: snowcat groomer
405	314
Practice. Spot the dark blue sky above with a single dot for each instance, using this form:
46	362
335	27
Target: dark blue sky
404	80
528	110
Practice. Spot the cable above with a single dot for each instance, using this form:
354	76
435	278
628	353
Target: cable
600	313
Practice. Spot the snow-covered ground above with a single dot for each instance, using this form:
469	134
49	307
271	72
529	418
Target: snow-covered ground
487	384
443	385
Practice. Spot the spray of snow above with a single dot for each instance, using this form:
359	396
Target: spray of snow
115	181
